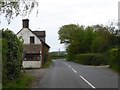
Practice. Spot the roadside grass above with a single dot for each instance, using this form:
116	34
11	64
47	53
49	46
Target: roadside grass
24	81
115	68
0	83
47	64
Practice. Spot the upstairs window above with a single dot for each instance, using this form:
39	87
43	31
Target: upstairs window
32	41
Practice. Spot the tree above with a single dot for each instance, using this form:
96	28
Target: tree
88	37
68	33
72	35
114	28
13	8
102	39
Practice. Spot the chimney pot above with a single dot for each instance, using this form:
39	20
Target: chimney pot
25	23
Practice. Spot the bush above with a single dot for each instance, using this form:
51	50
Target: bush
90	59
11	56
114	59
47	64
24	81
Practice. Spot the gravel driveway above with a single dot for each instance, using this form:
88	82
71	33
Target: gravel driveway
37	73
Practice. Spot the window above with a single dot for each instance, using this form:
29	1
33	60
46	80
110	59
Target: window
32	57
32	40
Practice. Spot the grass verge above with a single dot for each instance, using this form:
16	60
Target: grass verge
24	81
115	68
47	64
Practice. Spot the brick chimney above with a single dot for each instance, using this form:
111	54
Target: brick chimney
25	23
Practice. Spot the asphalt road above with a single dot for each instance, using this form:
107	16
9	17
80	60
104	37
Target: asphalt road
64	74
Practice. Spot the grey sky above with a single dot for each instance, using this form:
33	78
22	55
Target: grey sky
55	13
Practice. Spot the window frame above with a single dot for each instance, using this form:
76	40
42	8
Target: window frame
32	40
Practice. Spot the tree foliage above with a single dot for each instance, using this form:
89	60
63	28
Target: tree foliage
13	8
68	33
90	39
11	55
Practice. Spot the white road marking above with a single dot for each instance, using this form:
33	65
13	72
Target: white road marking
87	81
65	63
74	70
80	76
69	66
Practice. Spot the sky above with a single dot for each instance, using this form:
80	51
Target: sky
52	14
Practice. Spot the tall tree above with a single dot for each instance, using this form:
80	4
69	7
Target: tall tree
89	35
72	35
67	33
102	40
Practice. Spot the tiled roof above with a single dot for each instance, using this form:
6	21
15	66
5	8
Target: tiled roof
39	33
32	48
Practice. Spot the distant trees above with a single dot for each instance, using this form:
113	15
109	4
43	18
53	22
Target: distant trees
90	39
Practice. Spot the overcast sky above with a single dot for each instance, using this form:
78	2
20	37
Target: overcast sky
55	13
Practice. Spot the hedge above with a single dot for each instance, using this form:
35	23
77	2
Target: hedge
58	57
114	57
11	56
90	59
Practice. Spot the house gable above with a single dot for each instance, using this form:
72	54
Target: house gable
26	33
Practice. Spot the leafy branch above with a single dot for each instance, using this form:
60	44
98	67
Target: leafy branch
13	8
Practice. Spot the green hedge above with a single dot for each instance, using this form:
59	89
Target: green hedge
114	57
57	56
11	56
90	59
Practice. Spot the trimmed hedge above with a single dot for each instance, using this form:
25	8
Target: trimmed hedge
114	57
90	59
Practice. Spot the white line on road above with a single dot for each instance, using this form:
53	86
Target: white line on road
80	75
74	70
65	63
87	82
69	66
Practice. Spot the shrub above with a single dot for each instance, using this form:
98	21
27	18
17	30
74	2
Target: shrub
89	59
114	59
20	83
11	56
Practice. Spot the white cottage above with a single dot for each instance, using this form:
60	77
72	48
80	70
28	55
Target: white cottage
34	46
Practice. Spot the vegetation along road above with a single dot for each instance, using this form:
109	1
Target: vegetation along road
64	74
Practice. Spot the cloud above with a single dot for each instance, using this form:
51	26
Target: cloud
55	13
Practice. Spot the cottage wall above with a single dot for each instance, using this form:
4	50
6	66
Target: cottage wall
26	33
32	64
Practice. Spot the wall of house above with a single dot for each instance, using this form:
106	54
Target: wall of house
46	50
32	64
45	53
26	33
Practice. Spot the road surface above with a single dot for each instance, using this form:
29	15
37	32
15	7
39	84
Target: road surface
64	74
